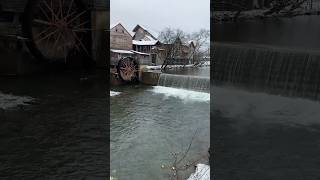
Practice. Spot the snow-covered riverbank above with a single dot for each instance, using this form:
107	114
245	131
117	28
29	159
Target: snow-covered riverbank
10	101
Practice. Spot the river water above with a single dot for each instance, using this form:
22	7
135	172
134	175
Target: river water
262	136
53	127
149	123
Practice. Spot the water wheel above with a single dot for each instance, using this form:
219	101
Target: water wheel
128	69
55	28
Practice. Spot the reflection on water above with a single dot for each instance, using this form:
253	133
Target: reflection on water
261	136
299	31
147	126
62	135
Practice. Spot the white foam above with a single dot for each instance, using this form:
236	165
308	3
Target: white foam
10	101
183	94
114	93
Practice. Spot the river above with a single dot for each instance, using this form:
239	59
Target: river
54	128
148	123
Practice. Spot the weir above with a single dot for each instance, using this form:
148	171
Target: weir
195	83
279	70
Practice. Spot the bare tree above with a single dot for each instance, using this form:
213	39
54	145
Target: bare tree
182	162
201	41
171	40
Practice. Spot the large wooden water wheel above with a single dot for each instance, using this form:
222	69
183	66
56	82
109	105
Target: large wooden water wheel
55	28
128	69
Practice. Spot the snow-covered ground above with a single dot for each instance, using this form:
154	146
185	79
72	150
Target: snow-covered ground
10	101
202	173
158	67
185	95
114	93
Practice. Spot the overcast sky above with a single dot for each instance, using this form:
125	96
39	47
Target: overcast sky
188	15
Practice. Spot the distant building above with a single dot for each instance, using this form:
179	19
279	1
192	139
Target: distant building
145	41
120	43
183	51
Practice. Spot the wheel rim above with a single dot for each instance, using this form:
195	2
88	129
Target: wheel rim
58	27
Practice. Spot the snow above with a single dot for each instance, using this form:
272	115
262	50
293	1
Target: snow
137	52
150	30
202	173
114	93
151	38
121	51
150	43
113	25
183	94
158	67
132	33
10	101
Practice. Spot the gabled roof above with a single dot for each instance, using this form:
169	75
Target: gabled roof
114	25
153	34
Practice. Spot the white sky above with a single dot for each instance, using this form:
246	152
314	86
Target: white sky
188	15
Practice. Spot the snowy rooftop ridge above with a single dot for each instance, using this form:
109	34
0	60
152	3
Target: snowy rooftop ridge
150	30
121	51
146	43
141	53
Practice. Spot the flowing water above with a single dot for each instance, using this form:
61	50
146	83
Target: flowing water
196	83
286	71
149	123
53	127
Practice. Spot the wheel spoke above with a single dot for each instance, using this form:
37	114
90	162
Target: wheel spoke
69	8
43	22
54	16
77	38
47	36
44	12
74	18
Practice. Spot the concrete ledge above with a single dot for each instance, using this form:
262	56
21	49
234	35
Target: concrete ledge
150	77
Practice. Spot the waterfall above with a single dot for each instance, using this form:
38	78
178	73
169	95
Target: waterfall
287	71
195	83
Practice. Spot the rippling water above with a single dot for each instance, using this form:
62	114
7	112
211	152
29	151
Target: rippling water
62	134
262	136
146	126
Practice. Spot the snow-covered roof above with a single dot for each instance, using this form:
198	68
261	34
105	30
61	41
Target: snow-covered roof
121	51
141	53
150	38
150	30
191	41
145	43
116	24
113	25
132	33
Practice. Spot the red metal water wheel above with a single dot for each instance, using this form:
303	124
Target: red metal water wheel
55	28
128	69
